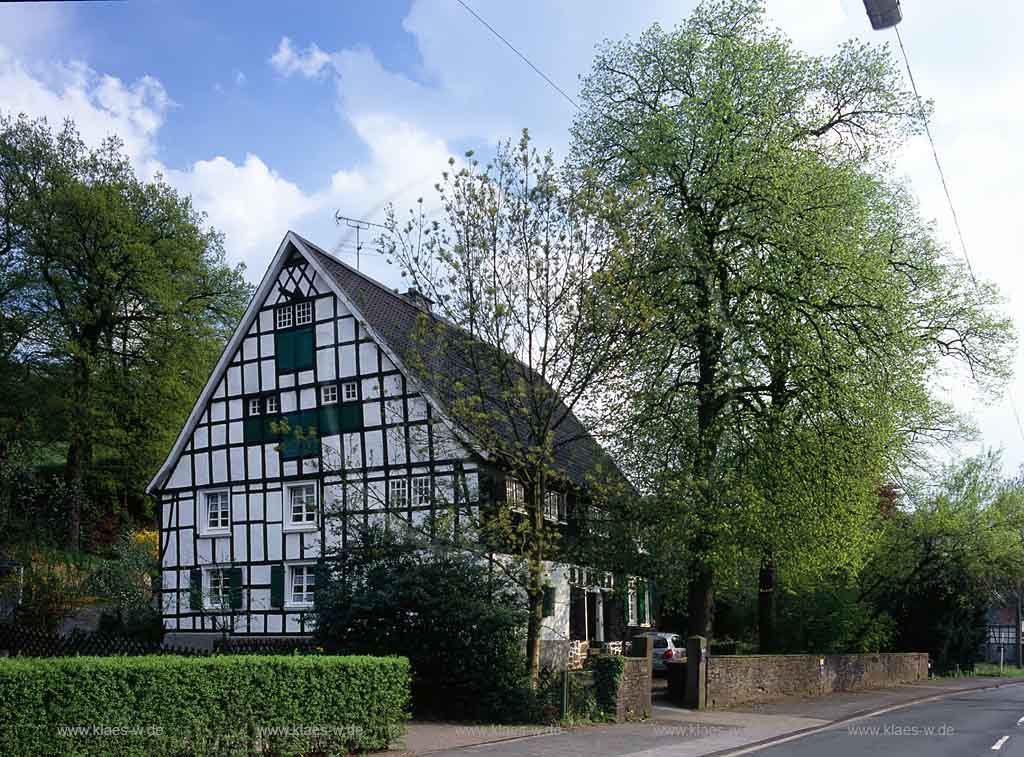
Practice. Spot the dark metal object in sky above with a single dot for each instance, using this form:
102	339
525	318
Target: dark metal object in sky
883	13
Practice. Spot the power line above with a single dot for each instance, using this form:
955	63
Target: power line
938	163
526	60
949	200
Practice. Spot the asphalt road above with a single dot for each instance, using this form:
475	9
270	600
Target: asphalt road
985	723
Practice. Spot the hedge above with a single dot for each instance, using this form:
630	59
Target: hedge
214	705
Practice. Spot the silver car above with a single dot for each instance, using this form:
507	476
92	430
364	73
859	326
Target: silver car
667	646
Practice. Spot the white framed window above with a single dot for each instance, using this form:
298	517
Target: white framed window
270	405
554	506
216	588
329	395
284	317
301	506
301	585
216	515
398	490
303	313
350	391
631	599
515	494
254	406
421	491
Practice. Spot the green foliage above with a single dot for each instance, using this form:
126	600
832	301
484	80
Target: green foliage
217	705
607	676
125	582
119	299
459	620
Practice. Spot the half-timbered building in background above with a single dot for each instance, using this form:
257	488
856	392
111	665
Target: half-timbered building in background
311	411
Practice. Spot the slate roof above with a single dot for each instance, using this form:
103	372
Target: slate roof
396	319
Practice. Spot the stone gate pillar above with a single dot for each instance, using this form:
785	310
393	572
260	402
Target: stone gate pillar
696	672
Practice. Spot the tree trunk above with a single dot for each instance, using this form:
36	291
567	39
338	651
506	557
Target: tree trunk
700	603
79	452
766	604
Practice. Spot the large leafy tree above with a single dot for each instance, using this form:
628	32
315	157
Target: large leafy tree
121	298
797	305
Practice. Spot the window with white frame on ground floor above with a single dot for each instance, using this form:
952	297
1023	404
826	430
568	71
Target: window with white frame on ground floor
216	517
515	494
398	493
303	313
284	317
350	392
631	604
554	506
301	584
216	588
421	491
302	505
329	394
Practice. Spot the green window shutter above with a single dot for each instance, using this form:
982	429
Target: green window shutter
195	589
277	586
235	588
330	420
549	601
625	606
303	353
284	351
351	417
641	603
252	429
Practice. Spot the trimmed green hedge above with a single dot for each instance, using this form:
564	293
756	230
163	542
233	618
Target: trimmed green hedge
213	705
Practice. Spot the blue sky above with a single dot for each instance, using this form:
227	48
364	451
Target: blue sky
274	115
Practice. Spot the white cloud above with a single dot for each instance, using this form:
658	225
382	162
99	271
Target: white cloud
286	61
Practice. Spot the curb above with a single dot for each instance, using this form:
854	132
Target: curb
860	715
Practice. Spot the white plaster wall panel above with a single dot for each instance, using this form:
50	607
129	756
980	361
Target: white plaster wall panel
170	554
256	540
218	435
268	375
182	475
256	506
168	514
374	448
241	551
270	462
169	580
293	623
291	546
255	455
234	409
237	459
347	361
376	495
307	398
238	507
260	574
325	364
311	546
186	555
202	470
218	410
396	445
353	451
324	307
392	386
371	386
204	551
273	541
386	364
250	348
310	465
221	391
201	437
222	550
367	357
266	346
251	377
257	623
186	512
305	377
394	411
273	506
234	381
289	468
220	466
273	624
288	402
324	334
371	414
346	327
266	321
259	599
286	380
236	432
421	520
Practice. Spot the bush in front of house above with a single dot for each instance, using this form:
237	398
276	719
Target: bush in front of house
459	621
213	705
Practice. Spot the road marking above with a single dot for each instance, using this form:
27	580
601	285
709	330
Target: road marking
999	744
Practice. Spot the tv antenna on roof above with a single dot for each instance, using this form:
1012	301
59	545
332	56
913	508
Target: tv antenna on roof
359	225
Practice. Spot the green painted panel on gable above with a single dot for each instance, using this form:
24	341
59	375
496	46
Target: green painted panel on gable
330	420
293	350
351	417
252	429
302	438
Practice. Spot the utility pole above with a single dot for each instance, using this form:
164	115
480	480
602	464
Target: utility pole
359	225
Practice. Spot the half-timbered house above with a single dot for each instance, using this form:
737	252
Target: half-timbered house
311	405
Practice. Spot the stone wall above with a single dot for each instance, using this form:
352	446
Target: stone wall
736	679
633	700
563	654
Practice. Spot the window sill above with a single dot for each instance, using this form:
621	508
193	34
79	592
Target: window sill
214	533
294	606
292	527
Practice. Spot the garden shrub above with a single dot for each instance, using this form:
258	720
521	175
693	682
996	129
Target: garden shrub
460	624
214	705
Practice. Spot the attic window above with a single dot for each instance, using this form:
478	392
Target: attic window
254	406
270	404
284	317
303	313
329	394
350	391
